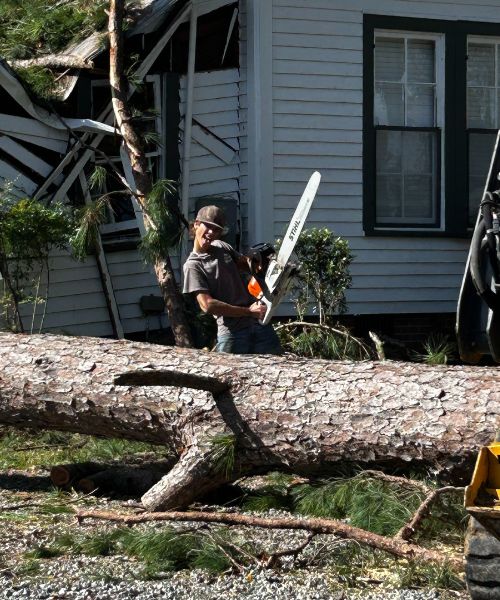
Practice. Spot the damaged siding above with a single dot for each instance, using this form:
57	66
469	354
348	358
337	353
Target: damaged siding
214	170
76	303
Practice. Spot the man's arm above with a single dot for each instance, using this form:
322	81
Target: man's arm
212	306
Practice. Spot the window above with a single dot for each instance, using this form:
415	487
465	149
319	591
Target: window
431	110
407	120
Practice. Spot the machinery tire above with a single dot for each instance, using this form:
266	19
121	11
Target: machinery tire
482	559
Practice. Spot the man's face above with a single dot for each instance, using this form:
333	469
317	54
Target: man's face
205	234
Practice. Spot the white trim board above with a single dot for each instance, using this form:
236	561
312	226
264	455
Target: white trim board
59	146
260	120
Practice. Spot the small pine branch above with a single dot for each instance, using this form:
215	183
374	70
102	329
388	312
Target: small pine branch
223	453
90	217
97	179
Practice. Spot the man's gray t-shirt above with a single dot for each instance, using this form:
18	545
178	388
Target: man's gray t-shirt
216	272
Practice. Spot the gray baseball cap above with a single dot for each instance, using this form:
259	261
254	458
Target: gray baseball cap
212	215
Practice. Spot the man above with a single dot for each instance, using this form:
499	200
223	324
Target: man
212	275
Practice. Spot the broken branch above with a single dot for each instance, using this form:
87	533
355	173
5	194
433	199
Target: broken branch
396	547
408	531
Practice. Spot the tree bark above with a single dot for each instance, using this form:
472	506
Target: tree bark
298	415
134	145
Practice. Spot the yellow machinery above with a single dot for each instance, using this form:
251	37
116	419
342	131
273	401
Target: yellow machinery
482	544
482	496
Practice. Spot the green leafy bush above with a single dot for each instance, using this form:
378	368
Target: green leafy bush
324	275
319	290
28	232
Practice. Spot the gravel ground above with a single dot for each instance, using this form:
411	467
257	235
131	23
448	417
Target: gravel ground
265	585
119	577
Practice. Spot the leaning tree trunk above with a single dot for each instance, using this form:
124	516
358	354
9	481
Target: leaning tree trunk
134	145
299	415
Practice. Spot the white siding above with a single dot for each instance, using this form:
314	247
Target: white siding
76	303
317	124
133	279
216	106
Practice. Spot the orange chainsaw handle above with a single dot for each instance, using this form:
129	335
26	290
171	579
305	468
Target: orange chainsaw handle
254	288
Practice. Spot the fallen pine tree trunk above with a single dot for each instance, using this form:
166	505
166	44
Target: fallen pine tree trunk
227	415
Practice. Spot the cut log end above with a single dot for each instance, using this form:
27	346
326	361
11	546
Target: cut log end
65	475
59	475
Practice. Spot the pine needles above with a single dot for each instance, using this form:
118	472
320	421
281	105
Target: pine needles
166	230
161	551
321	341
223	453
89	219
438	349
29	28
37	28
419	575
372	504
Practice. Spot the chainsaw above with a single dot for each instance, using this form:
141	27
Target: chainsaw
272	275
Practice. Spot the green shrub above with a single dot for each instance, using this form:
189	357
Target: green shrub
324	275
319	290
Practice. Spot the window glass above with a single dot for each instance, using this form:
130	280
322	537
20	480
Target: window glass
481	64
420	106
421	61
389	59
405	77
389	104
482	85
480	108
407	176
407	161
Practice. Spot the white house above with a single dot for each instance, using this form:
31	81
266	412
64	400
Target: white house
395	102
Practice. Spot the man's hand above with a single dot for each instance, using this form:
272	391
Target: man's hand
258	310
